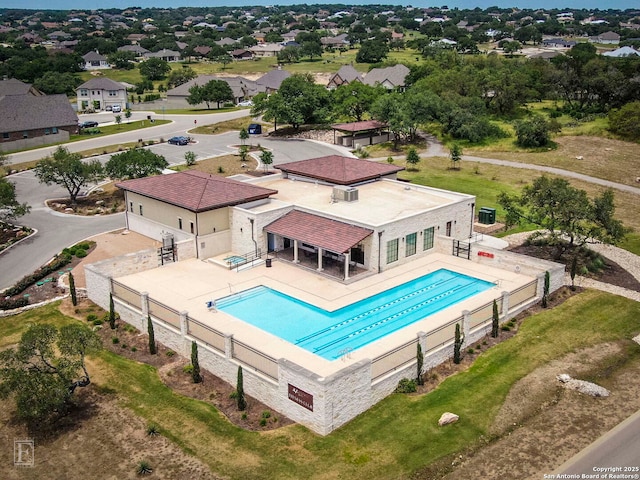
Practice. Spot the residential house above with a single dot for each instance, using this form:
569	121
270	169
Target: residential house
29	120
12	86
136	49
345	75
390	78
202	51
270	82
95	61
266	49
622	52
164	54
241	54
136	38
607	38
226	42
99	93
557	43
242	88
335	42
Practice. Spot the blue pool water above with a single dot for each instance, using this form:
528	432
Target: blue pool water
235	259
331	334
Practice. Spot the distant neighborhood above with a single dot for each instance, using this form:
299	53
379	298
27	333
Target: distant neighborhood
172	54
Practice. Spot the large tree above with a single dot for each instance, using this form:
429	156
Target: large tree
355	99
626	121
10	208
45	369
69	171
154	69
135	163
372	51
214	91
569	217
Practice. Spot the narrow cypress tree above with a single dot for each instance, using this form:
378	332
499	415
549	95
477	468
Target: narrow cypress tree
112	313
495	325
152	338
457	345
545	293
195	374
420	359
242	402
574	271
72	289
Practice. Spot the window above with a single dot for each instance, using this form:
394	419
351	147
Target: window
392	250
410	248
448	229
140	207
5	134
47	131
192	227
84	92
113	93
428	239
131	207
25	134
54	129
179	223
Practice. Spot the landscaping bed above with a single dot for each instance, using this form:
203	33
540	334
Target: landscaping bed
10	234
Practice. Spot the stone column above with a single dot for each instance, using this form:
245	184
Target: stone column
184	323
295	252
346	266
144	305
228	346
466	325
320	260
505	305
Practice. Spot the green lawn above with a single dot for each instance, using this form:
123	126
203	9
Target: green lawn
396	437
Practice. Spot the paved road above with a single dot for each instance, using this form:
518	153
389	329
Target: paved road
617	449
57	231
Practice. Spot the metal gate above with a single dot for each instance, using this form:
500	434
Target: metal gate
461	249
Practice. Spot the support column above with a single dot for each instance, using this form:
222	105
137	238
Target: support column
228	346
346	265
144	306
295	252
466	326
320	260
505	306
184	323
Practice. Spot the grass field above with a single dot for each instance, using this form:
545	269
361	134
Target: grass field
395	438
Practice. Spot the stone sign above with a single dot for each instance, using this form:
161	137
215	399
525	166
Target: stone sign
300	397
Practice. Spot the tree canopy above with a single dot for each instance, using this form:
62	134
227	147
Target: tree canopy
10	208
135	163
154	68
69	171
45	369
214	91
568	216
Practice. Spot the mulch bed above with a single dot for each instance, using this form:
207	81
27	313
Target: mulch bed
96	203
612	273
134	345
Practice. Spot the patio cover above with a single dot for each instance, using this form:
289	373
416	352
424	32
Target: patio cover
331	235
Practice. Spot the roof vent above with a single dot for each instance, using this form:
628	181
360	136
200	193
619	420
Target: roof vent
345	193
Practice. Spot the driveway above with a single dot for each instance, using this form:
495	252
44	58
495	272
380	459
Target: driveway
57	231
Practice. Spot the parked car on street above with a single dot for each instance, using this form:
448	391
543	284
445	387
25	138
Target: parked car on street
246	103
116	109
88	124
179	141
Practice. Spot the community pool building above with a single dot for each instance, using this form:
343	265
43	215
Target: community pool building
329	232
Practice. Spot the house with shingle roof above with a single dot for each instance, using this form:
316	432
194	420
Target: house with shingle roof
95	61
99	93
345	75
270	82
390	78
242	88
29	121
346	212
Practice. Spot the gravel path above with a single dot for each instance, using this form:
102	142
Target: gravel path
630	261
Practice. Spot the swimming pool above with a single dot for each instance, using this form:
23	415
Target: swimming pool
331	334
235	260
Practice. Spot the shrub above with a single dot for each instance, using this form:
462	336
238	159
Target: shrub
505	328
153	430
115	340
170	353
406	385
92	317
266	414
144	468
81	253
263	422
244	416
134	349
60	261
471	351
10	304
188	369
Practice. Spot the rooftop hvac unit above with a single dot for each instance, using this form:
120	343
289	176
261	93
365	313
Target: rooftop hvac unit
345	194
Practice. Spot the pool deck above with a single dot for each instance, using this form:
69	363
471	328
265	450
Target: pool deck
188	285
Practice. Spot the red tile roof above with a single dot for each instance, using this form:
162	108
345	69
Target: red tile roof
196	191
328	234
339	170
359	126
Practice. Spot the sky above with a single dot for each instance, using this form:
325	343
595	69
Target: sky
462	4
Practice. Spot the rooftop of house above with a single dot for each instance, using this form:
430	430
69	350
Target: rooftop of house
25	112
13	86
102	83
196	191
394	75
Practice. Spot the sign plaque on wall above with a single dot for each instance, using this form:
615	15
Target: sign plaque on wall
300	397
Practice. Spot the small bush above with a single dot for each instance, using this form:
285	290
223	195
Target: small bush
266	414
505	328
220	169
471	351
134	349
244	416
81	253
170	353
153	430
233	394
124	345
263	422
10	304
188	369
406	386
97	321
92	317
115	340
144	468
